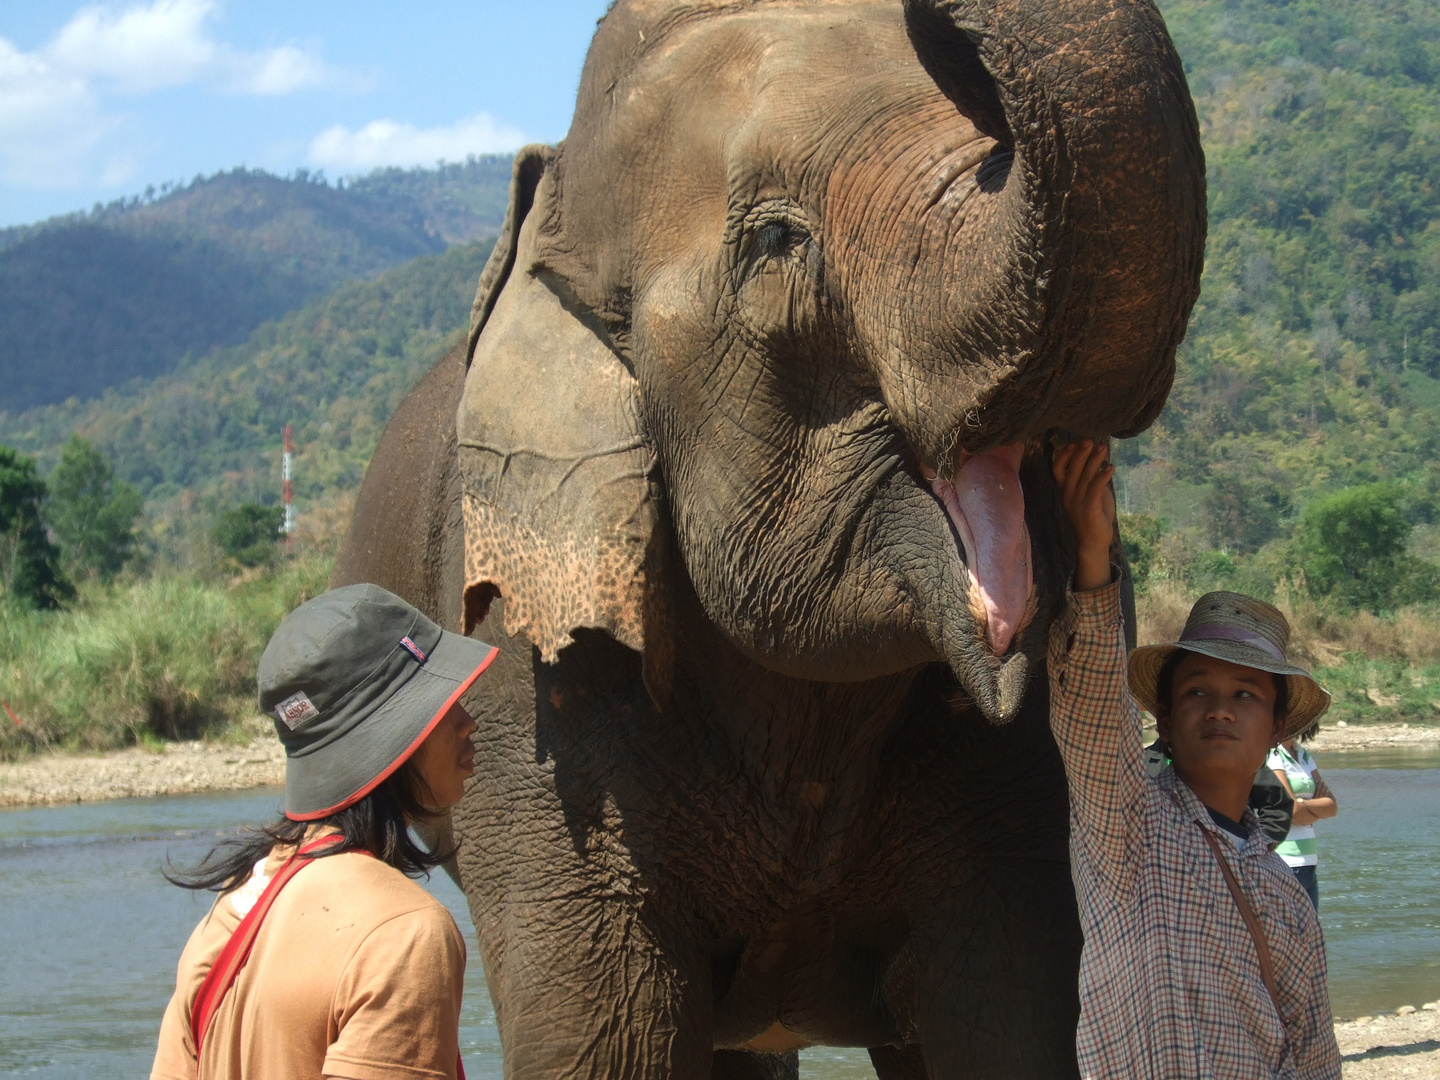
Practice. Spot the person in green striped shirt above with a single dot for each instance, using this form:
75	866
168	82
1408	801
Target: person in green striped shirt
1314	801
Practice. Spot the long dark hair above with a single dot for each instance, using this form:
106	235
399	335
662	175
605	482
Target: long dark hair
378	823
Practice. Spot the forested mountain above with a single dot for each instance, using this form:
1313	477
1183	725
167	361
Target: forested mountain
334	370
1312	362
92	300
1312	359
457	203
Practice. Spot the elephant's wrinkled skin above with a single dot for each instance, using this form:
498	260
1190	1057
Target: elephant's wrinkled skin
771	348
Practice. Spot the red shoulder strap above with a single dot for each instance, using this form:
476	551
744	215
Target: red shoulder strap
221	975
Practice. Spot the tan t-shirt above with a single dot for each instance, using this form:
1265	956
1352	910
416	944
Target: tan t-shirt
357	972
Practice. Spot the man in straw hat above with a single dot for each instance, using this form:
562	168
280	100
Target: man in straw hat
1203	957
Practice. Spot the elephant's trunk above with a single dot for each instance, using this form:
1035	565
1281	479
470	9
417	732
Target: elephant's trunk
1037	274
1089	216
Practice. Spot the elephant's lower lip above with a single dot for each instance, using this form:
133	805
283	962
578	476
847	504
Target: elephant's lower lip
986	505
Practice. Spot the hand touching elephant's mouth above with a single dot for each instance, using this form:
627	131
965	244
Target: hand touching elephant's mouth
986	506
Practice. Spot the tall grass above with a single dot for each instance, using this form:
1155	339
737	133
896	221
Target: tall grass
168	656
1378	669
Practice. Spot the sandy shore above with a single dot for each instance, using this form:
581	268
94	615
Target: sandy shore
1361	737
1366	736
1394	1046
175	769
179	768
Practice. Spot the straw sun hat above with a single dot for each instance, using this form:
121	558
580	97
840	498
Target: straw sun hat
1242	630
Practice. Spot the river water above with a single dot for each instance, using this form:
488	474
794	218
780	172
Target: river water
90	933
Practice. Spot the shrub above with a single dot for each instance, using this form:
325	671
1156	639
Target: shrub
1160	614
170	657
250	533
1211	570
1351	545
1243	513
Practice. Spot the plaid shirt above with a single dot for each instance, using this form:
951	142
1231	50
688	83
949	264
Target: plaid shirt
1170	982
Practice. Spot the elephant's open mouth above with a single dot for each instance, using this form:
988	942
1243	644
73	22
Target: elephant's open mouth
986	506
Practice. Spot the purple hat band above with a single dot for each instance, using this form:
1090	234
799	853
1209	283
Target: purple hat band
1221	632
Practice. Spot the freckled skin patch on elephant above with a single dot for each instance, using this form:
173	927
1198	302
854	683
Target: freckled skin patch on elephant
555	583
752	771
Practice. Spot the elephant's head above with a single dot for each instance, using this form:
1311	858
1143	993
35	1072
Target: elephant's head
811	286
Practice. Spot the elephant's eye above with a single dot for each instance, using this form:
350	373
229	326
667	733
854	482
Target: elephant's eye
773	238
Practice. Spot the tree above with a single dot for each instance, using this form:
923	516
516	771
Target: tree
1243	512
248	533
92	514
29	562
1352	547
1140	537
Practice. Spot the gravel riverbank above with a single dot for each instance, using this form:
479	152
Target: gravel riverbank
1367	736
1362	737
183	767
1403	1044
171	769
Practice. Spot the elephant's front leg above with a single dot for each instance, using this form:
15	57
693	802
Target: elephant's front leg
591	986
997	973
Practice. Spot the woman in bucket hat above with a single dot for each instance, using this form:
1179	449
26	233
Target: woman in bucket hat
1203	956
320	957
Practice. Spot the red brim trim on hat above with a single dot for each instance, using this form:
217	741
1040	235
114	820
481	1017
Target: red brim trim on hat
389	770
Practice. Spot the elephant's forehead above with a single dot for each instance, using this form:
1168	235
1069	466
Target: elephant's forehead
777	91
657	17
779	62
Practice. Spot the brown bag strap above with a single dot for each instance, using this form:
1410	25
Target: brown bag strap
1252	921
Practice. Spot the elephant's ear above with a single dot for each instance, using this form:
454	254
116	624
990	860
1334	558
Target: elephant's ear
525	173
563	517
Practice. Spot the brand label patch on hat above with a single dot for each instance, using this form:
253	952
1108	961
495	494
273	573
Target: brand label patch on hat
296	711
413	649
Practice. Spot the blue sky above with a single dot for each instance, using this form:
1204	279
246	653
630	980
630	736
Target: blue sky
101	100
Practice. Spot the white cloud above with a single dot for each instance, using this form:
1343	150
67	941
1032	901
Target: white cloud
168	43
283	71
49	120
30	89
58	121
139	48
385	142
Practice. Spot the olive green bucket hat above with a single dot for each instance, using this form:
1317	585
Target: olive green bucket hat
1238	628
356	679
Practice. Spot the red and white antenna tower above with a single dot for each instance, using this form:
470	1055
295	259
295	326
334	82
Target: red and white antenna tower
289	527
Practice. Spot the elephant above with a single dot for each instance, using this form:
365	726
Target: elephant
744	466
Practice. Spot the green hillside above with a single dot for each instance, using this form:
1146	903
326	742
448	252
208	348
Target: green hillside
1312	358
169	650
334	370
91	301
1305	416
457	202
1297	457
1312	364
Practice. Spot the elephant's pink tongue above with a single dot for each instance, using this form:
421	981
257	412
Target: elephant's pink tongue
987	506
